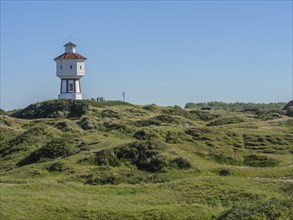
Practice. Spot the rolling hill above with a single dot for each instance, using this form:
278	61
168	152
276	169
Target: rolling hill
65	159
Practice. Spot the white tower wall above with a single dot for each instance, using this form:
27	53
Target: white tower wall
69	68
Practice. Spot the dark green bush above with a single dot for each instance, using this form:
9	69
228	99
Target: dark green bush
29	136
254	160
6	121
56	148
110	114
267	112
226	120
64	126
145	135
177	110
107	175
205	115
238	106
225	172
109	126
270	210
144	155
22	142
269	116
107	158
287	187
6	149
2	112
173	137
166	119
55	167
157	163
147	122
289	111
87	123
180	163
226	159
200	134
106	103
151	107
61	108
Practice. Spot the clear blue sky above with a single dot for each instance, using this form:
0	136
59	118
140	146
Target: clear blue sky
166	52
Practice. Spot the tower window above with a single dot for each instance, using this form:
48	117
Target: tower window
70	87
60	67
80	67
71	67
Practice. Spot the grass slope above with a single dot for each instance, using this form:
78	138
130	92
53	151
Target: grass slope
64	159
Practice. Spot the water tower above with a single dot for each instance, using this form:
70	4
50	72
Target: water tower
70	68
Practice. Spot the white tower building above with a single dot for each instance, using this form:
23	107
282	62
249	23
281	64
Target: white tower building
70	68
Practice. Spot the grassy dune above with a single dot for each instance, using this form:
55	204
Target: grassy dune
87	160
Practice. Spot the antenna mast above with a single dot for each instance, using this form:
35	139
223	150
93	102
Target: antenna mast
123	95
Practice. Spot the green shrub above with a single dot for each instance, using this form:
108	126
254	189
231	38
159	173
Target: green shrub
272	112
7	121
226	120
25	140
107	158
157	163
289	111
2	112
106	103
270	116
145	135
166	119
152	108
108	175
6	149
29	136
60	108
205	115
109	126
200	134
56	148
147	122
226	159
87	123
64	126
225	172
271	210
180	163
173	137
108	113
177	110
103	178
55	167
287	187
238	106
134	112
254	160
144	155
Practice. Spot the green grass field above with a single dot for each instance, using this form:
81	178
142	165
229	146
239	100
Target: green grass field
113	160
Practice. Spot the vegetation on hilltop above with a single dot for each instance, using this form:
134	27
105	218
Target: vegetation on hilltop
2	112
289	112
238	106
61	108
114	160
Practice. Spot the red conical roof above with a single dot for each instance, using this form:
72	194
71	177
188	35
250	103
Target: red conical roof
71	56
